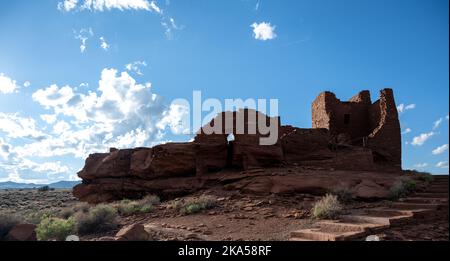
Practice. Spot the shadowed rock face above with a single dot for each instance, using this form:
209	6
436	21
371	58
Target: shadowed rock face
367	139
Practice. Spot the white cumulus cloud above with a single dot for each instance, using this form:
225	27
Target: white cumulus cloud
422	138
442	164
121	113
136	67
176	118
67	5
15	126
263	31
26	84
7	85
5	149
49	118
406	131
440	149
53	96
421	165
102	5
403	108
103	44
83	35
437	123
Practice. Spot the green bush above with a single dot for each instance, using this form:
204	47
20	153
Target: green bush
402	188
7	222
128	207
192	208
344	194
327	207
52	228
81	207
70	211
66	213
35	217
146	209
194	205
98	219
150	200
175	204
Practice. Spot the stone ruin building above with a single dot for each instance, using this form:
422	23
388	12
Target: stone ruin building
352	135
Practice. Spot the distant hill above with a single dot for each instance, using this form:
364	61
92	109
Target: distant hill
56	185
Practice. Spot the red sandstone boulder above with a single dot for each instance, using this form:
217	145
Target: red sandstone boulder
22	232
171	159
135	232
140	161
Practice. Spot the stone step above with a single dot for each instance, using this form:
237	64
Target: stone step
431	188
381	221
350	226
424	200
439	182
438	190
386	212
315	234
299	239
410	206
438	185
430	195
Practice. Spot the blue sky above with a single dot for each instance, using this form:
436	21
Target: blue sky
78	77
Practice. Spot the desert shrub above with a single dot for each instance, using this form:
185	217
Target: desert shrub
327	207
344	194
175	204
52	228
194	205
402	188
7	222
145	205
98	219
425	177
207	202
44	189
35	217
191	209
146	209
150	200
66	212
82	207
127	207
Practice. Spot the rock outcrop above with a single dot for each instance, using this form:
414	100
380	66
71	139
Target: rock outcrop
354	135
22	232
134	232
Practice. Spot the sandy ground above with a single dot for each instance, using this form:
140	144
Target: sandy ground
236	217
